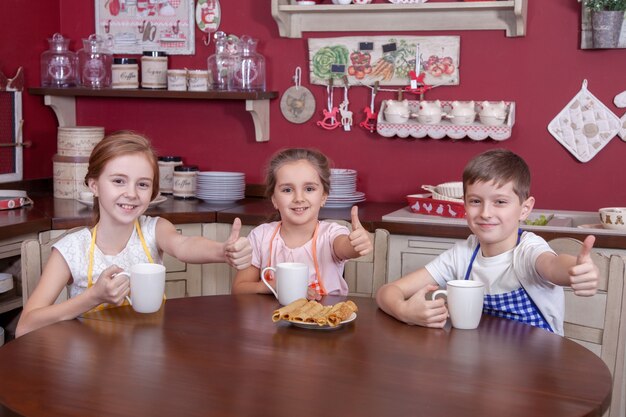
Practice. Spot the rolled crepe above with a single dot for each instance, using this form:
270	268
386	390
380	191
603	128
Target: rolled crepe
312	307
321	318
344	311
284	312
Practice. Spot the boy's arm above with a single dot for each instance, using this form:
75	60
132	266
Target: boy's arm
579	273
405	299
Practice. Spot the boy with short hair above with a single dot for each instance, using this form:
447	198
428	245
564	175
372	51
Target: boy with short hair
522	274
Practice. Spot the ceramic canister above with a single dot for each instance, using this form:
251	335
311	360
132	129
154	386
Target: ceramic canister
125	73
166	172
78	140
68	175
154	69
185	181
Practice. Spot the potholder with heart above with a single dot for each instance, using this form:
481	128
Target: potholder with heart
585	125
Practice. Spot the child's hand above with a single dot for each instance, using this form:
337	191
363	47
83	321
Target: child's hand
313	295
418	310
584	275
111	288
237	250
359	238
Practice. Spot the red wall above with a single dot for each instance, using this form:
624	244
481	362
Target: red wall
541	72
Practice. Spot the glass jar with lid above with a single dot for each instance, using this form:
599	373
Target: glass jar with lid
166	172
154	70
59	65
185	181
95	62
250	72
125	73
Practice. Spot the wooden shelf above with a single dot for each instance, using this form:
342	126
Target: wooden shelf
509	15
10	301
63	102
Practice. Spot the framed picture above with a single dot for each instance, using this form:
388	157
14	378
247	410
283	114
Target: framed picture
135	26
388	60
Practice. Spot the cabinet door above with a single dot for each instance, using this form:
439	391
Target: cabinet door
408	253
182	279
218	278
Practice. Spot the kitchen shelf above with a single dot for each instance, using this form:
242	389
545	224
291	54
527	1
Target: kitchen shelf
63	102
475	131
509	15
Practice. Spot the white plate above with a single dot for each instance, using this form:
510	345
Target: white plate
314	326
160	199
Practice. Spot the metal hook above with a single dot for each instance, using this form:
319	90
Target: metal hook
206	39
176	28
141	27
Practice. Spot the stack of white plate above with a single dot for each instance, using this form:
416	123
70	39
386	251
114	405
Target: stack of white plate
216	187
343	191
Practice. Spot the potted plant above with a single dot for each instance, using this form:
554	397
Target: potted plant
607	17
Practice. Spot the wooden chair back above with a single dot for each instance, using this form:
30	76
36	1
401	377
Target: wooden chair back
599	322
35	254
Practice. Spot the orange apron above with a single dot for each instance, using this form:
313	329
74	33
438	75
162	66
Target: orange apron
318	284
92	248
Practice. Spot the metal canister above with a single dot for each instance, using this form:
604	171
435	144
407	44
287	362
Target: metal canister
185	181
166	172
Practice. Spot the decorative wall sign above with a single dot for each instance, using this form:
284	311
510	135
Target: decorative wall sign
147	25
297	103
11	127
386	59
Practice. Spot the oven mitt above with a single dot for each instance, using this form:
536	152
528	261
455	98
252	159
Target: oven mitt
585	125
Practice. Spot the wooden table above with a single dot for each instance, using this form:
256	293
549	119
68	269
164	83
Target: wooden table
223	356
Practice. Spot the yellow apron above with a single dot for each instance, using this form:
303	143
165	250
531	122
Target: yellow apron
92	248
317	285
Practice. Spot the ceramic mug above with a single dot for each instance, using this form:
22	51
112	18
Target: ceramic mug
292	281
465	302
147	286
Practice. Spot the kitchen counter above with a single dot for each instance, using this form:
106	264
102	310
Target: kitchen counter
51	213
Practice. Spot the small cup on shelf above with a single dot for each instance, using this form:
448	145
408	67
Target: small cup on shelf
177	80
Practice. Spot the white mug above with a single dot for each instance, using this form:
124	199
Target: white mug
147	286
292	281
465	302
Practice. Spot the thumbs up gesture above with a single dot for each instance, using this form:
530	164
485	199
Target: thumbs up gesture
584	275
359	238
237	250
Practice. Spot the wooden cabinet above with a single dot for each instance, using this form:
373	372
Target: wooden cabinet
63	102
9	256
508	15
217	279
408	253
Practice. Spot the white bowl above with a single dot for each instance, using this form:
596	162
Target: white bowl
451	189
613	218
6	282
491	120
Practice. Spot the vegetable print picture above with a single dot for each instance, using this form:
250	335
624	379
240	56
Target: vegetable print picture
386	59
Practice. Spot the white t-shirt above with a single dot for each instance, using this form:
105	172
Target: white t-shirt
75	250
505	273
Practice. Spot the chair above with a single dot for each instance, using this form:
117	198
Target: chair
365	275
599	322
35	254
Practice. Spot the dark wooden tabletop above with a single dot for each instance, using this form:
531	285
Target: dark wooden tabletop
223	356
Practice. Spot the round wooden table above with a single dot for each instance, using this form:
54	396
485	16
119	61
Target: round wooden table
223	356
